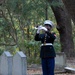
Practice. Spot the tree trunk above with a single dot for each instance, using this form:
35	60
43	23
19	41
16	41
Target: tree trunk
70	6
1	2
65	29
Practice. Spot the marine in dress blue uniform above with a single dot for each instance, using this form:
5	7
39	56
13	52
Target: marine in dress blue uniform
47	52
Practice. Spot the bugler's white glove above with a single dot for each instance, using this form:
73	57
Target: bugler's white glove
41	28
44	28
38	31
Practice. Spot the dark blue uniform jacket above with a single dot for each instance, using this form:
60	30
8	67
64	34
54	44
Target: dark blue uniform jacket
46	50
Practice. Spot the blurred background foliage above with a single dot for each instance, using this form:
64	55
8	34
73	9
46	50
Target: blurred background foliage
17	21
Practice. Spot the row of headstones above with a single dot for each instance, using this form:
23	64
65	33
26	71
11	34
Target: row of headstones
17	64
13	65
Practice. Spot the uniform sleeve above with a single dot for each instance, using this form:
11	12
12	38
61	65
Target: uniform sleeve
37	37
52	35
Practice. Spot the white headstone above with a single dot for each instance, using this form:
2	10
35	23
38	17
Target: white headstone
19	64
60	61
6	63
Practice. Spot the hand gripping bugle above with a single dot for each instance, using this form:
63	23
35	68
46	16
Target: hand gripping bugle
41	28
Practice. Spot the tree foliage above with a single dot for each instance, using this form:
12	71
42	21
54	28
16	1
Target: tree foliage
17	21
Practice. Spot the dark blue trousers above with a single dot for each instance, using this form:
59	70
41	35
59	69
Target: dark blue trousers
48	65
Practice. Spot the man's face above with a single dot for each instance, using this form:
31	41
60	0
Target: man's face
48	27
